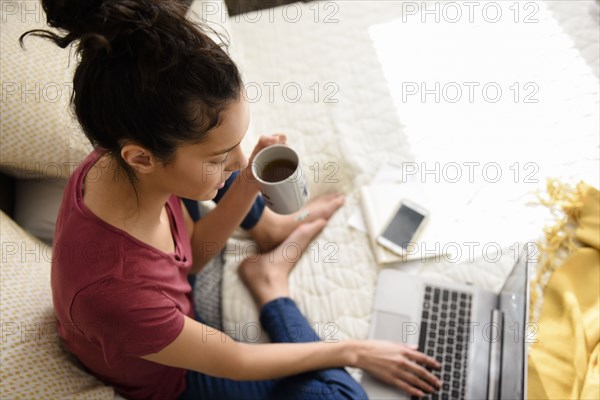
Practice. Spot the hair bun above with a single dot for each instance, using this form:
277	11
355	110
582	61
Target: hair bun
72	16
99	24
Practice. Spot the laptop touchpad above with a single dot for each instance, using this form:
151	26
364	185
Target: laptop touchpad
394	327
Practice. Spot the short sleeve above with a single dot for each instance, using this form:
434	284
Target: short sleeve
126	318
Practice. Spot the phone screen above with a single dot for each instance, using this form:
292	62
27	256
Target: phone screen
403	226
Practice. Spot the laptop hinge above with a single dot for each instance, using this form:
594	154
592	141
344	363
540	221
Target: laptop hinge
496	338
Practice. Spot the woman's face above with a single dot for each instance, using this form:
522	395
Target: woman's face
199	170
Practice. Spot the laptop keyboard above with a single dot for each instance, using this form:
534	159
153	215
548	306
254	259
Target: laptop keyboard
444	335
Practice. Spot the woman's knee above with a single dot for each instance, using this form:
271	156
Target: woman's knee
345	386
330	384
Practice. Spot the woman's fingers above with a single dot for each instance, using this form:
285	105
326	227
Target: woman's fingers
416	375
416	380
267	140
264	141
421	358
281	137
418	357
408	388
397	364
424	375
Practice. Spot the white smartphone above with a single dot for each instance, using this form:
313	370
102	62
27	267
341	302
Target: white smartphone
404	226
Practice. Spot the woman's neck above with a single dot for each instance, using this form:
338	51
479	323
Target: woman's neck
109	194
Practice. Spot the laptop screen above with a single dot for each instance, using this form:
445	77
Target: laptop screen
513	301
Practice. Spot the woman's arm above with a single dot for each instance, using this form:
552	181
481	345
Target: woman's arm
206	350
202	348
211	232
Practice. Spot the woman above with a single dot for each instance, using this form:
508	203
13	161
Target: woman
163	106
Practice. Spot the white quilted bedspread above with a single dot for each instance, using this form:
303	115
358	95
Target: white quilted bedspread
346	121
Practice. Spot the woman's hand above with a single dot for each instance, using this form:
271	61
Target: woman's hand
398	365
264	141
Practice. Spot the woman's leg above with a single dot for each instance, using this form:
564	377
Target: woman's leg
284	322
267	280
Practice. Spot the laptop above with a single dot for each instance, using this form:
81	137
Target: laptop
478	336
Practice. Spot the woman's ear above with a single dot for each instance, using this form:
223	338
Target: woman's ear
138	158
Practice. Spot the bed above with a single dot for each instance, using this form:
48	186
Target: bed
330	75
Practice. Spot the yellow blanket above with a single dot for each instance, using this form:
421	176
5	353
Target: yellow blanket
563	364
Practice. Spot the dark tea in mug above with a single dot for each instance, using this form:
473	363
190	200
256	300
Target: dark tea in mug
278	170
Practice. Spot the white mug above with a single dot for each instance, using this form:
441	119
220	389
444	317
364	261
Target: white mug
282	183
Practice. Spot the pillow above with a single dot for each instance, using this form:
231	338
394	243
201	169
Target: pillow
34	362
40	137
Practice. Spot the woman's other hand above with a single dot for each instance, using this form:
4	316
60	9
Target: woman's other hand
264	141
399	365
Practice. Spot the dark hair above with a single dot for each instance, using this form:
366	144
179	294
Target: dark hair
146	73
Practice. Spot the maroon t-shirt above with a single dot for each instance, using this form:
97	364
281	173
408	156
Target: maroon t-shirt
117	298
